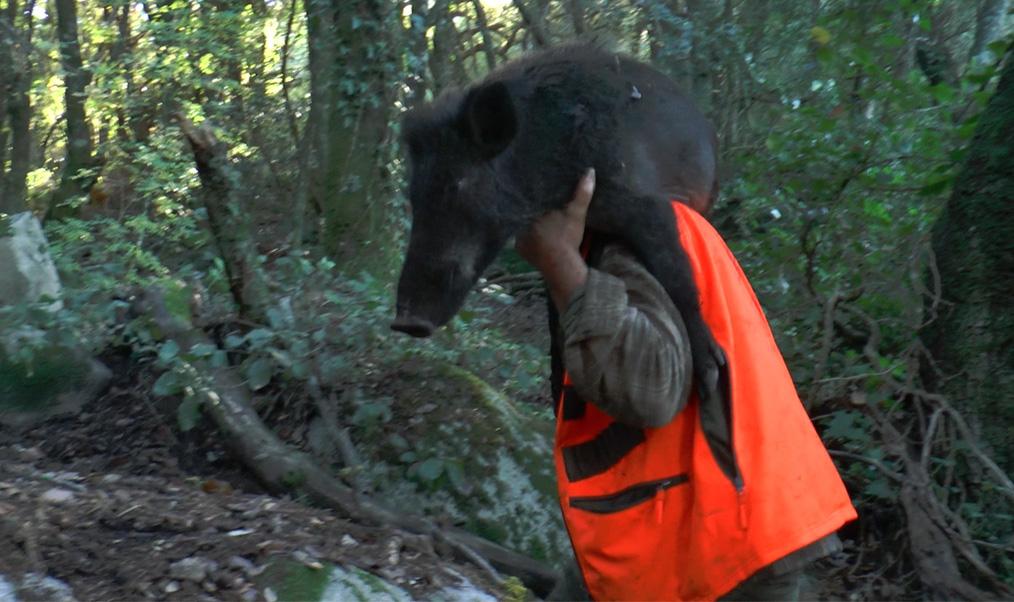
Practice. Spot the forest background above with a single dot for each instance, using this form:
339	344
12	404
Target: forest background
242	157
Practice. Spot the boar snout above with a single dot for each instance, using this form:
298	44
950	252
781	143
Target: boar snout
411	325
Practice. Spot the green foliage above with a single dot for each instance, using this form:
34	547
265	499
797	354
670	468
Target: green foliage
516	590
847	189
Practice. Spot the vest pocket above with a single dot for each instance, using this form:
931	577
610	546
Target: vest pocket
626	498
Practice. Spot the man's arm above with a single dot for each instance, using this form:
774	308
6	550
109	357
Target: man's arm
625	345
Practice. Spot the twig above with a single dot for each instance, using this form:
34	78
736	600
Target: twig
470	554
888	472
927	445
1006	486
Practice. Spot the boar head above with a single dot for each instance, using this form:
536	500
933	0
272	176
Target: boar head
464	209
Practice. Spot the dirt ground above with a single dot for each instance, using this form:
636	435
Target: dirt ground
119	505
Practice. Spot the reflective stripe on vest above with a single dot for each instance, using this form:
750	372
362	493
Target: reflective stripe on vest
660	514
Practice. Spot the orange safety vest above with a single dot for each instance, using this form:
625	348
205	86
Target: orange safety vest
651	513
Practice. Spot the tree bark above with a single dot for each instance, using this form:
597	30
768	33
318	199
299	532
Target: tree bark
15	108
352	72
533	21
576	10
700	63
973	240
418	54
988	26
79	165
488	47
229	221
442	63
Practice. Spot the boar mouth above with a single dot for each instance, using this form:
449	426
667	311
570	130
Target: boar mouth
413	326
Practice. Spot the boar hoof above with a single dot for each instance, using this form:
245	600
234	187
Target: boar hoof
417	327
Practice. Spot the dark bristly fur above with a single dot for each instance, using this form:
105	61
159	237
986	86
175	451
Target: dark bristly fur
488	160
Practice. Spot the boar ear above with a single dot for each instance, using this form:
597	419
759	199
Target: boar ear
487	118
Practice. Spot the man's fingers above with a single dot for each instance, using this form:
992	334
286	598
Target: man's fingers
585	190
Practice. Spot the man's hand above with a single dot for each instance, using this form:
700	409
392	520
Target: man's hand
552	244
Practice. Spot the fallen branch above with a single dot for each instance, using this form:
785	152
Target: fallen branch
283	469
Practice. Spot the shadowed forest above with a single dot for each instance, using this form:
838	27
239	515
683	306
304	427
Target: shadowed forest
204	213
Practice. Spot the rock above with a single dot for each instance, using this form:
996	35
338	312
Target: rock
6	591
57	495
32	454
51	378
43	587
60	381
489	466
27	272
242	564
194	568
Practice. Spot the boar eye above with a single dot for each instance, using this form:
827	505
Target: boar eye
456	185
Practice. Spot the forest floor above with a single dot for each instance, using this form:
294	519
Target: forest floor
119	504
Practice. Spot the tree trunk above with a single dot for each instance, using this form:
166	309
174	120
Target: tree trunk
988	26
700	63
444	45
78	167
576	10
533	21
972	337
488	47
418	54
229	221
351	69
15	109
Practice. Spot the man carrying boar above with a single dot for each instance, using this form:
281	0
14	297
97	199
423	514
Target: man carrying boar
665	497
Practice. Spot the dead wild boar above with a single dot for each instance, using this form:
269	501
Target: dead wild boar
488	160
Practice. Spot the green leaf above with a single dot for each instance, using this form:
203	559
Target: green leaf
331	367
259	374
169	351
998	48
188	413
206	64
942	93
219	359
300	370
880	488
457	476
847	425
202	350
371	413
937	186
431	469
167	384
893	41
259	337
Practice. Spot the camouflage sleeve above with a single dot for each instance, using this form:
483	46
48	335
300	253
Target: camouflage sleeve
625	345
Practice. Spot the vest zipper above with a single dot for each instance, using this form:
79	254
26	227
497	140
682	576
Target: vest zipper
744	521
659	503
629	497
